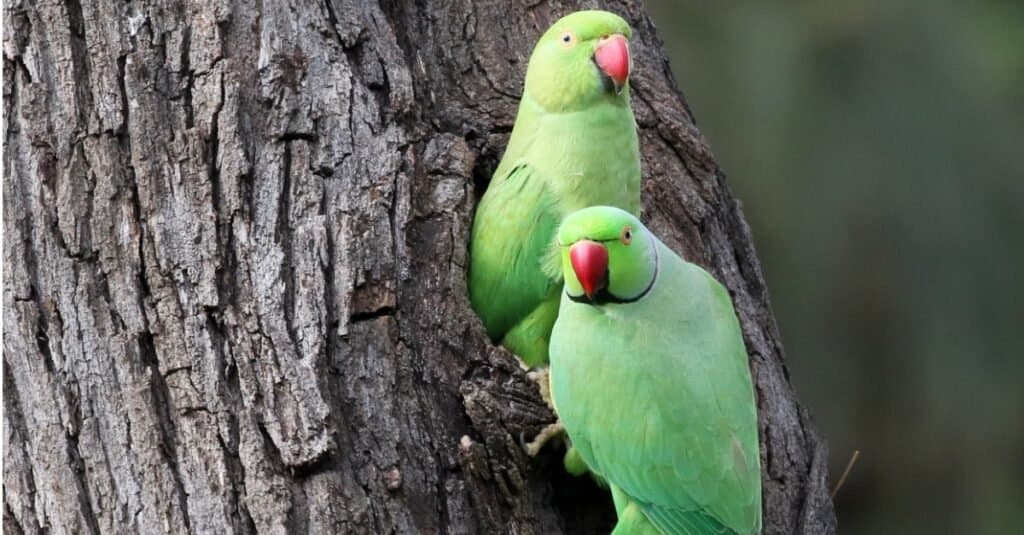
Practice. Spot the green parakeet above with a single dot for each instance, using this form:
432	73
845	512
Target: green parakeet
650	378
574	145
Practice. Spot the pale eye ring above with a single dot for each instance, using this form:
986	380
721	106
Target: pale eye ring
568	39
627	235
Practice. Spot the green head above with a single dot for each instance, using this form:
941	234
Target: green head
582	59
608	256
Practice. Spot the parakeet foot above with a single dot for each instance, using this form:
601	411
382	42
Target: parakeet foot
546	434
540	376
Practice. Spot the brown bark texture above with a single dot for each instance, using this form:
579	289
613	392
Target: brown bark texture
235	242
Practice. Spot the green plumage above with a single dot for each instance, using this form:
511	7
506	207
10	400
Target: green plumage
573	145
655	390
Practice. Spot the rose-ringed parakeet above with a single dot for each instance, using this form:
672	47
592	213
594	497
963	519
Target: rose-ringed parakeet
574	145
650	378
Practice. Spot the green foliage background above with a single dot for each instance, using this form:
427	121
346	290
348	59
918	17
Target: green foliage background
878	149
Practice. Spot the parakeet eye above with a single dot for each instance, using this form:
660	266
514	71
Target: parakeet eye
627	235
568	39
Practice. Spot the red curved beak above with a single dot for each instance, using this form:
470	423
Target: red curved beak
612	57
590	263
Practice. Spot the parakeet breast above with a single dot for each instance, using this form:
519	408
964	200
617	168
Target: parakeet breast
591	157
603	392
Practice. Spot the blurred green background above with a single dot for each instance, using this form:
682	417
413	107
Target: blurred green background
878	149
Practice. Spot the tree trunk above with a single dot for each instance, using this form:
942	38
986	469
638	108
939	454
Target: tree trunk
234	288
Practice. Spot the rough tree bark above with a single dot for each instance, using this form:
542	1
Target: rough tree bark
234	287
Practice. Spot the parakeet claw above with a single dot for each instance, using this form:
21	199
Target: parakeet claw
540	376
546	434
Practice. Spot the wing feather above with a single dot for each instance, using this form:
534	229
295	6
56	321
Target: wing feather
512	232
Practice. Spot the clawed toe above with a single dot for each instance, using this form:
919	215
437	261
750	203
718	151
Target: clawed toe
542	438
541	377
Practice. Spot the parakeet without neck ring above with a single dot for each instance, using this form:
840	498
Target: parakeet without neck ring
574	144
650	377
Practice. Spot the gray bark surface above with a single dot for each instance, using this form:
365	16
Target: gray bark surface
235	240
